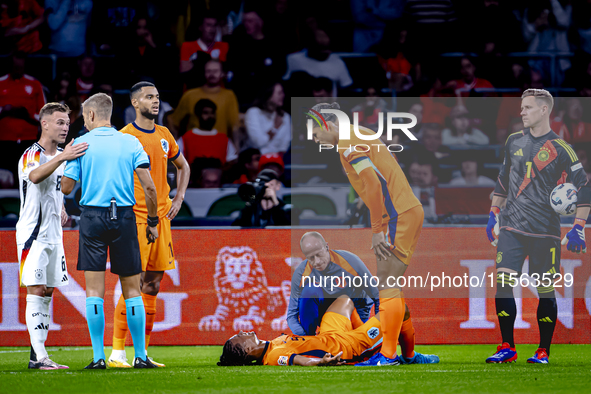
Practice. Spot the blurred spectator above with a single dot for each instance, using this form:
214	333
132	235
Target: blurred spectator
111	23
470	168
270	210
6	179
248	165
318	61
469	81
183	118
391	52
208	43
322	89
433	25
461	131
582	25
65	87
486	36
253	61
205	141
86	74
583	150
20	21
268	126
432	140
21	99
68	21
206	173
281	26
76	120
569	125
370	18
368	110
145	54
545	26
423	181
272	161
417	110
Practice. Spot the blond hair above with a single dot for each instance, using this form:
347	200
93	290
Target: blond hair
540	95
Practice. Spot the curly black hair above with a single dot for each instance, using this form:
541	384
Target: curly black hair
233	355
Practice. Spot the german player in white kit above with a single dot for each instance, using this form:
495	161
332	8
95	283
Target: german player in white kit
39	228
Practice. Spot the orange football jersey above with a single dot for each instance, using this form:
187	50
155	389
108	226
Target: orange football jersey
283	349
336	334
363	159
160	146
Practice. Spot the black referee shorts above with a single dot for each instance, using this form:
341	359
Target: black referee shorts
98	232
513	248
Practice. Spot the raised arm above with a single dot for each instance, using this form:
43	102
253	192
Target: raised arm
70	152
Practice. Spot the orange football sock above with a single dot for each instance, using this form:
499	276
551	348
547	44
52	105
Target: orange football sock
355	319
391	316
120	325
150	306
407	339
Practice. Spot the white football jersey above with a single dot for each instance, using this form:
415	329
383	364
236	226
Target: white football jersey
41	204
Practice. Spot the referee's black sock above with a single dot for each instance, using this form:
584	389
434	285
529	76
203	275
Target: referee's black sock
547	315
506	307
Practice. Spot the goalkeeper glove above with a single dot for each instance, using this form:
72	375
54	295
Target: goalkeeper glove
492	228
576	237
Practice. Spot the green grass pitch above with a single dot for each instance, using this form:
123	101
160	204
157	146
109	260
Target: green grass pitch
192	369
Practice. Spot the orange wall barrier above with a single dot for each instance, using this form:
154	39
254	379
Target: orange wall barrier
228	280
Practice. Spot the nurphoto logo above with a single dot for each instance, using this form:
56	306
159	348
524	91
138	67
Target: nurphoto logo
344	125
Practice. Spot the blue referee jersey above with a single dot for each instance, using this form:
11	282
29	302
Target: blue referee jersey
106	170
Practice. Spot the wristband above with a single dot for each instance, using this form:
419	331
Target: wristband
152	221
494	209
580	222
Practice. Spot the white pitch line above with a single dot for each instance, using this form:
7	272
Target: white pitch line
48	349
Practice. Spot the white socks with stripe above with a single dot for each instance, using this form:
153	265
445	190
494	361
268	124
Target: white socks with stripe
37	318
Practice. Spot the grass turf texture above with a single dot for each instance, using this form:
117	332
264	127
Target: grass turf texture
462	370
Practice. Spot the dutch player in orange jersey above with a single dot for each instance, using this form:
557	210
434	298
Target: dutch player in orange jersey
337	342
157	256
396	219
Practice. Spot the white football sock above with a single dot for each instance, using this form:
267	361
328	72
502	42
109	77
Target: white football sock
36	324
118	354
47	318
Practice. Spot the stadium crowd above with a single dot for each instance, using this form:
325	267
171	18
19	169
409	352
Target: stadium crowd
225	71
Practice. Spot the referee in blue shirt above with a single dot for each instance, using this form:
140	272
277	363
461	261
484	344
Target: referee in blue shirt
108	221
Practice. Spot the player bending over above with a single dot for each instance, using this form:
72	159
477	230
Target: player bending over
536	160
337	343
396	216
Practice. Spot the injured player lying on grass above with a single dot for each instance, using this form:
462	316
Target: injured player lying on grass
337	343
